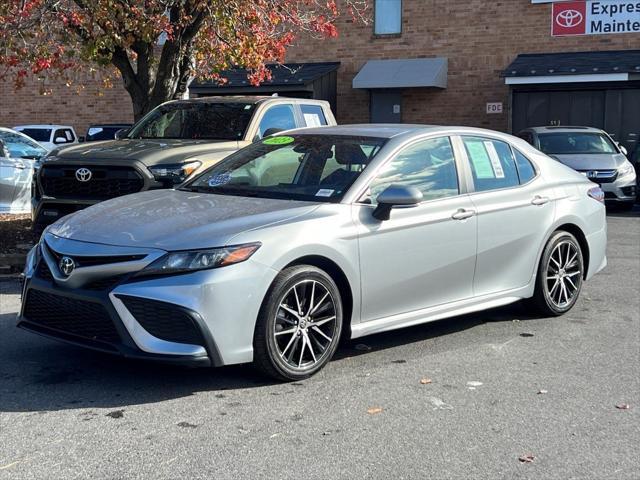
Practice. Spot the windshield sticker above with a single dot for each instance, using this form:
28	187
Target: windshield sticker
220	179
324	192
480	160
495	160
278	140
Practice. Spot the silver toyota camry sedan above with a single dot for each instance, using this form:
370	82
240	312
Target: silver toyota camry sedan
278	251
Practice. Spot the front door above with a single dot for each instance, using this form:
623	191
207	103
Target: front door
421	256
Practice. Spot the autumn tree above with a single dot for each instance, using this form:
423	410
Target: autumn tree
157	47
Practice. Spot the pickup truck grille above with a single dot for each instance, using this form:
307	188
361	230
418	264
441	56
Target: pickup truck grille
60	181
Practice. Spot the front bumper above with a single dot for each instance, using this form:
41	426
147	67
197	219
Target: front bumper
623	189
201	318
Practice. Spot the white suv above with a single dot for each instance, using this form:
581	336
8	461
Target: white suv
50	136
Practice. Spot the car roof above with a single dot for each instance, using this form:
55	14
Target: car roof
43	126
249	99
563	129
392	130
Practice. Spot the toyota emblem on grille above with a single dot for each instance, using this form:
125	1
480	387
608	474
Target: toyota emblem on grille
83	174
569	18
66	265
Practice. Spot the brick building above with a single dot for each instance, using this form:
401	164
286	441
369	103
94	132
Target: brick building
468	49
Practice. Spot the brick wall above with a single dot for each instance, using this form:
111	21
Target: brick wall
479	37
63	105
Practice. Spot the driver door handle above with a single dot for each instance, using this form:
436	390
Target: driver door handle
538	200
463	214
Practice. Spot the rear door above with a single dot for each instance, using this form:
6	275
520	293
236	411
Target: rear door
514	210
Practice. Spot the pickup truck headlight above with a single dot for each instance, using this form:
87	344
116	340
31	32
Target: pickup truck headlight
626	169
194	260
174	173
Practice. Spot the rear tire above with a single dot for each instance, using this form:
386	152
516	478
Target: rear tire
560	275
299	325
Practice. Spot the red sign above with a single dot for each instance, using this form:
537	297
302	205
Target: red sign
569	18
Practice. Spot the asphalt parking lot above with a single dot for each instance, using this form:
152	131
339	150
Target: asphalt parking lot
503	384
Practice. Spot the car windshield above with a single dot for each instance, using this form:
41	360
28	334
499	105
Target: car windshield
318	168
570	143
195	121
38	134
21	147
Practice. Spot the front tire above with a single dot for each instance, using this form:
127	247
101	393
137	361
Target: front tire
560	275
299	324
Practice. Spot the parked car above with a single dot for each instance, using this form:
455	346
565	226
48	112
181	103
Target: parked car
104	131
593	153
18	154
276	251
50	136
166	147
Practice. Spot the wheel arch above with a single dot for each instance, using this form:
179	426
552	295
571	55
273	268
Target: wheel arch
577	232
338	275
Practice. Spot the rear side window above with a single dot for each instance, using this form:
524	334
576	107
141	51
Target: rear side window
492	163
313	115
526	171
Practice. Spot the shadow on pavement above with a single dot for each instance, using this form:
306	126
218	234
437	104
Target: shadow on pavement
37	374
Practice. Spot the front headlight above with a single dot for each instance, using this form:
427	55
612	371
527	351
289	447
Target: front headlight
174	173
626	168
194	260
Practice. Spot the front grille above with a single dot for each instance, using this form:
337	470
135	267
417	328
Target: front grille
70	316
106	283
60	181
89	261
43	271
601	176
164	320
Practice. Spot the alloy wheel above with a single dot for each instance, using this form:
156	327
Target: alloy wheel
564	274
305	324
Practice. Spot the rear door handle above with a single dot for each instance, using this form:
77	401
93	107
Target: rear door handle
463	214
538	200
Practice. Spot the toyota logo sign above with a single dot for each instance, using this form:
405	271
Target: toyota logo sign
66	265
569	18
83	174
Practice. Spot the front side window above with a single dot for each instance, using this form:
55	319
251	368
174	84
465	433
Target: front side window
195	121
570	143
316	168
21	147
388	17
492	164
38	134
428	165
280	117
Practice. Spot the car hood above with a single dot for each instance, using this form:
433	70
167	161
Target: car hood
175	220
150	152
606	161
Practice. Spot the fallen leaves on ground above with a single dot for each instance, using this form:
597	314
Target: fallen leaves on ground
425	381
374	410
542	392
623	406
528	458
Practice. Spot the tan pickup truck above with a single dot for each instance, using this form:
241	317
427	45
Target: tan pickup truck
170	144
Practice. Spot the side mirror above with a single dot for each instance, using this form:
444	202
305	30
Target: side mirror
4	152
396	196
623	149
122	133
80	139
271	131
59	140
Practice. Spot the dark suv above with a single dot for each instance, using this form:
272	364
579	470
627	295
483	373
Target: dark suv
170	144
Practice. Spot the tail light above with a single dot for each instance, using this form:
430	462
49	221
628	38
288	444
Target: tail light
597	194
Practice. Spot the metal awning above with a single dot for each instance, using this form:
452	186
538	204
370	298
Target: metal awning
403	73
574	67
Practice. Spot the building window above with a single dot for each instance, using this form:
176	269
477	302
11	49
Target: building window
388	17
